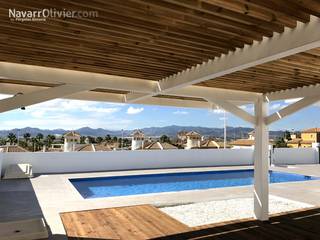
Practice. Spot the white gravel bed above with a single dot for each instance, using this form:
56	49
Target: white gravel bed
202	213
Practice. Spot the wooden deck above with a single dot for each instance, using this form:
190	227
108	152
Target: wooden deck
134	222
147	222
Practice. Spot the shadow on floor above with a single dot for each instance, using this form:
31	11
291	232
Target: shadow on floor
298	226
18	201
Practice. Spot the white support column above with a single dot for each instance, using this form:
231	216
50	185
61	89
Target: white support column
261	161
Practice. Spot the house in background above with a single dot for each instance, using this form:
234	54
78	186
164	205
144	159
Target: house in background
93	148
182	136
309	138
244	142
247	142
160	146
211	143
12	148
71	140
193	140
137	140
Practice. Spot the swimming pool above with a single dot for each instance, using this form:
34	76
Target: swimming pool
173	182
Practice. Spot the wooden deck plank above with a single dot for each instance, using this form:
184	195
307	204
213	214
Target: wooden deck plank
129	223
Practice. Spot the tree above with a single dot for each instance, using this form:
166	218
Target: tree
164	138
99	139
82	139
115	139
91	139
23	144
27	137
126	142
287	135
12	138
3	141
39	137
49	140
108	138
280	143
34	142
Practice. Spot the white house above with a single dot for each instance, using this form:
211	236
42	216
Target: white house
71	140
193	140
137	140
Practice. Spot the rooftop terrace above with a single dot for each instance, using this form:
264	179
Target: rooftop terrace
203	54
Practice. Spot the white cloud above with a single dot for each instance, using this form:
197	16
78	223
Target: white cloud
132	110
179	112
100	109
67	114
67	121
61	105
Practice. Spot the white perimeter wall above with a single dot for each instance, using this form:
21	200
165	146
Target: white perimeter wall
295	156
120	160
125	160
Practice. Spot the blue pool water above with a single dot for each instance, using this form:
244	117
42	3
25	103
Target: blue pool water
172	182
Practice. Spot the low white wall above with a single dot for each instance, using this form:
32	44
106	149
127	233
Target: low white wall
295	156
124	160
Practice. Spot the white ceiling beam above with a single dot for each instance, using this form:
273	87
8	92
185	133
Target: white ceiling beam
176	103
293	108
119	98
31	98
12	89
303	37
306	91
31	73
223	94
203	92
237	111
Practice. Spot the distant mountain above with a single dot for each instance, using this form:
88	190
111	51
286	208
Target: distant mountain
232	132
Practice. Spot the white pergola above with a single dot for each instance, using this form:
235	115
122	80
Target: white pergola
73	84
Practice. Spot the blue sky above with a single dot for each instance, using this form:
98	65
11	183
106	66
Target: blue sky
73	114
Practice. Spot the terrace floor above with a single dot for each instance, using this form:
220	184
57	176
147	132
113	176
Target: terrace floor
147	222
48	195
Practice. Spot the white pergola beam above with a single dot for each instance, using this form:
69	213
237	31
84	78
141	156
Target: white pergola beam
306	91
303	103
19	101
38	74
12	89
217	93
303	37
31	73
237	111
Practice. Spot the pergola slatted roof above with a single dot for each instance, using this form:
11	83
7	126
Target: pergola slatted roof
148	39
298	70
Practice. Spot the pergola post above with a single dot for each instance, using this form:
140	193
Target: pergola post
261	162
